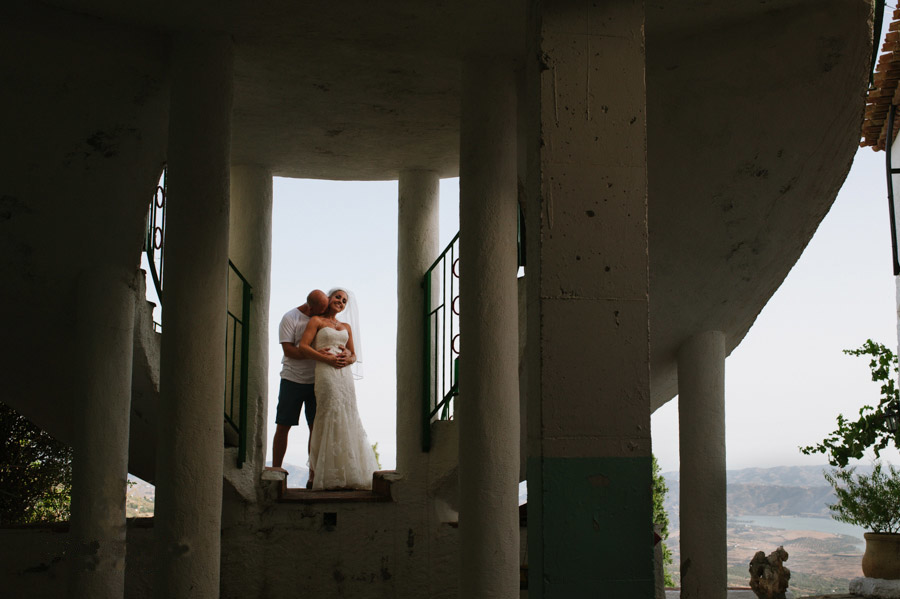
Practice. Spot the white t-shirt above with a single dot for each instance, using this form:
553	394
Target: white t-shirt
293	323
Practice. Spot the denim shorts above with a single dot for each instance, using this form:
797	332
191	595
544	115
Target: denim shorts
291	397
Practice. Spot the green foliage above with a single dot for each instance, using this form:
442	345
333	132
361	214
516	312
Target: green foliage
872	502
35	472
661	518
853	437
377	455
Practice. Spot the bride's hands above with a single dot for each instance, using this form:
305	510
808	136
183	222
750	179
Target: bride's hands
336	360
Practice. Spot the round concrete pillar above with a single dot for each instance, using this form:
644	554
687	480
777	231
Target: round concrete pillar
701	417
104	322
417	247
488	405
192	372
250	248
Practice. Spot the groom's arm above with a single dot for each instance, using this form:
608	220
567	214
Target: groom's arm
310	353
292	351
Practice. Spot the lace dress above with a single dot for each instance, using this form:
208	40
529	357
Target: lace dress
340	453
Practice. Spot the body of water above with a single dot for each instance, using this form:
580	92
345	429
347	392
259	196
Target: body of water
829	525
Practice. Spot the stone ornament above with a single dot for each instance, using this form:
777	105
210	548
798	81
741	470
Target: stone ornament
768	576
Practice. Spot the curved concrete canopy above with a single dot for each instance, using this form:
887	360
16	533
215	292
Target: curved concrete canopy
753	120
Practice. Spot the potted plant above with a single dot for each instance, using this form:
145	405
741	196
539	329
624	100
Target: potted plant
871	502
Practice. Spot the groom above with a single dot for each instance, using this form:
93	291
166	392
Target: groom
297	375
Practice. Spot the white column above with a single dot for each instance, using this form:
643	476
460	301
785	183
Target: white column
104	321
417	248
488	406
250	248
192	371
702	513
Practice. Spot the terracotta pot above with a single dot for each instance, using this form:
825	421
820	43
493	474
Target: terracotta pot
882	556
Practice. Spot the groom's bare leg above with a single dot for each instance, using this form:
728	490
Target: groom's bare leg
279	445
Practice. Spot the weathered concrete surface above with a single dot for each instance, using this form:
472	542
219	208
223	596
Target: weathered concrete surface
702	512
33	561
588	291
487	408
754	113
250	250
875	588
144	386
192	370
105	324
443	467
84	126
368	552
417	248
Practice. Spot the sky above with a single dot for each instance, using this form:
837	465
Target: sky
785	383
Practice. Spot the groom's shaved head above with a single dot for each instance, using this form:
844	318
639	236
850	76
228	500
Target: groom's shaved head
317	301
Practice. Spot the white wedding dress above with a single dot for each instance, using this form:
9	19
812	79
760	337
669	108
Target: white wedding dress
340	454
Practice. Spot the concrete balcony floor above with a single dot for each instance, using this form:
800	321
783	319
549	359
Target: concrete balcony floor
748	594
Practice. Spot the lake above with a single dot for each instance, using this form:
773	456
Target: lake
828	525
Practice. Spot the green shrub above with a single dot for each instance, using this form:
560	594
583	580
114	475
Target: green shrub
870	501
853	437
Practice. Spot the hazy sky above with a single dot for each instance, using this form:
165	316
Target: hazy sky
785	383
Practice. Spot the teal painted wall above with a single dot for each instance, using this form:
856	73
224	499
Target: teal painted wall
590	530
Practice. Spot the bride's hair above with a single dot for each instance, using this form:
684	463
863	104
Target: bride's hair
350	315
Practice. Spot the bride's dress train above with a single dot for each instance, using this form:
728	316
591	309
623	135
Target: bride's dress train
340	454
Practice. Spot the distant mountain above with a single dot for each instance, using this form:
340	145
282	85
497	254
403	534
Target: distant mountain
140	488
790	476
297	475
139	500
779	491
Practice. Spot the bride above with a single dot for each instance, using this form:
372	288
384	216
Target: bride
340	454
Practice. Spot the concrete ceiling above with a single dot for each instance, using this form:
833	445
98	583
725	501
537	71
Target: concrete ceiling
754	109
753	121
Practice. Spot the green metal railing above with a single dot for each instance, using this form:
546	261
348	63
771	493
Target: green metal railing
154	239
440	382
440	379
237	357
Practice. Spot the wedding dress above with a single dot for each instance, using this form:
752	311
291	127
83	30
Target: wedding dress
340	454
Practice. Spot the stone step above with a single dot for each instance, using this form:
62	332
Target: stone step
381	490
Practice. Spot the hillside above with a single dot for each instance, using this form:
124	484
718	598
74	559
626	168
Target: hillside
820	562
139	499
779	491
